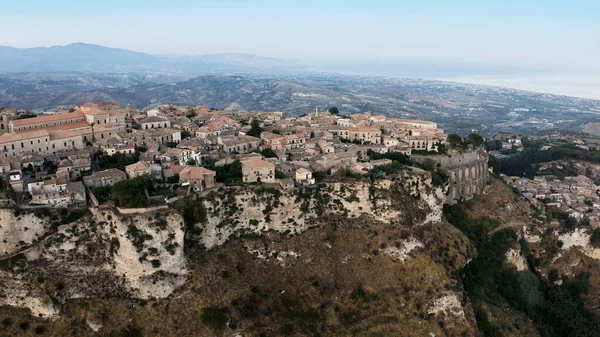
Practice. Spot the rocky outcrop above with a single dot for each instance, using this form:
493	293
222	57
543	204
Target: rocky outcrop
258	210
103	255
19	230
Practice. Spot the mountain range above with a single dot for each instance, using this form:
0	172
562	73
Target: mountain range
90	58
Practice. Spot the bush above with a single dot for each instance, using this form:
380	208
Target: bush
131	192
215	317
131	331
595	238
118	160
102	193
230	174
268	153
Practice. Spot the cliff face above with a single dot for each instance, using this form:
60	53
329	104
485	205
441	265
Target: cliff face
19	230
102	255
234	212
344	257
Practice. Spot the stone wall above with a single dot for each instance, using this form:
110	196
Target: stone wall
467	173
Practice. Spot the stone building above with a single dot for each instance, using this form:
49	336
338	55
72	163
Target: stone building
104	178
365	134
154	122
137	169
239	144
200	178
256	170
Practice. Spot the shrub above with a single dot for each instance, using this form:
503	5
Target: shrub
215	317
131	331
595	238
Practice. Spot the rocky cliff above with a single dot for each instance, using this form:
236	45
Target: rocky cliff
345	257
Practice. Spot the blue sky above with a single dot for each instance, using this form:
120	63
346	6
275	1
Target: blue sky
561	36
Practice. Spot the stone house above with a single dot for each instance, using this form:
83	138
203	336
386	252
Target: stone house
104	178
365	134
137	169
153	122
200	178
239	144
256	170
57	192
304	177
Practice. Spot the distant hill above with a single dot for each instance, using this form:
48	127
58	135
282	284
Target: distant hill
90	58
456	107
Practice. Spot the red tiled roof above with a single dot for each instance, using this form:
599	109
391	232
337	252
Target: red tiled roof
47	118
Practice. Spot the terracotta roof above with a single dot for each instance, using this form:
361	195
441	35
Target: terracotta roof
365	129
47	118
153	119
197	173
69	126
7	137
111	172
57	181
257	163
139	166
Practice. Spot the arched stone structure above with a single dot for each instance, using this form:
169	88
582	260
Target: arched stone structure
467	173
471	179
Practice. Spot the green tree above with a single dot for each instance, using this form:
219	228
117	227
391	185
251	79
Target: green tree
230	174
455	140
255	129
595	238
475	140
118	160
334	110
185	134
268	153
131	192
429	164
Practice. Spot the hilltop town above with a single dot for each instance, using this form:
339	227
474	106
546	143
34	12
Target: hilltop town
62	157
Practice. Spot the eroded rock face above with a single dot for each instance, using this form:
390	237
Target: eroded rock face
381	242
18	230
258	210
102	255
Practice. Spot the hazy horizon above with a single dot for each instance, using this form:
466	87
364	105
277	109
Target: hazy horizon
489	42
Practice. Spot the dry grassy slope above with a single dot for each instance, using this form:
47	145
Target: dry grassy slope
347	274
499	202
335	282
